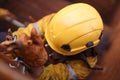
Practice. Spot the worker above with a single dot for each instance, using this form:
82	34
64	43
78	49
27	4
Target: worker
70	36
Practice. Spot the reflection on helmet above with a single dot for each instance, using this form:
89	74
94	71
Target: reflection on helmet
74	29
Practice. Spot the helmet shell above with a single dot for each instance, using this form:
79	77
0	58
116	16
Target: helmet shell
74	27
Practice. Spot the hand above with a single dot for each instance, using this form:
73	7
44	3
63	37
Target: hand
33	52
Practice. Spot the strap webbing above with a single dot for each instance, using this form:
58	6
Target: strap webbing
35	25
72	73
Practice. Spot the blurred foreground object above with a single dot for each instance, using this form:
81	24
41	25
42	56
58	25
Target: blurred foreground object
14	22
10	17
4	13
6	73
111	58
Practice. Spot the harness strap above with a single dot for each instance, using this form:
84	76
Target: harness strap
72	73
35	25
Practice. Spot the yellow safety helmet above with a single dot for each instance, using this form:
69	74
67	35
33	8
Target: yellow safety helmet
74	29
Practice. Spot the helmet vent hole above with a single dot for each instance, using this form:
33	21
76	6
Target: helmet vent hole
89	44
66	47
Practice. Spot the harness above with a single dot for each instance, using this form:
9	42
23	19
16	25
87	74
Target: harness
55	58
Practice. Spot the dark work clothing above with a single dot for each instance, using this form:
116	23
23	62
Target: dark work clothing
3	36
